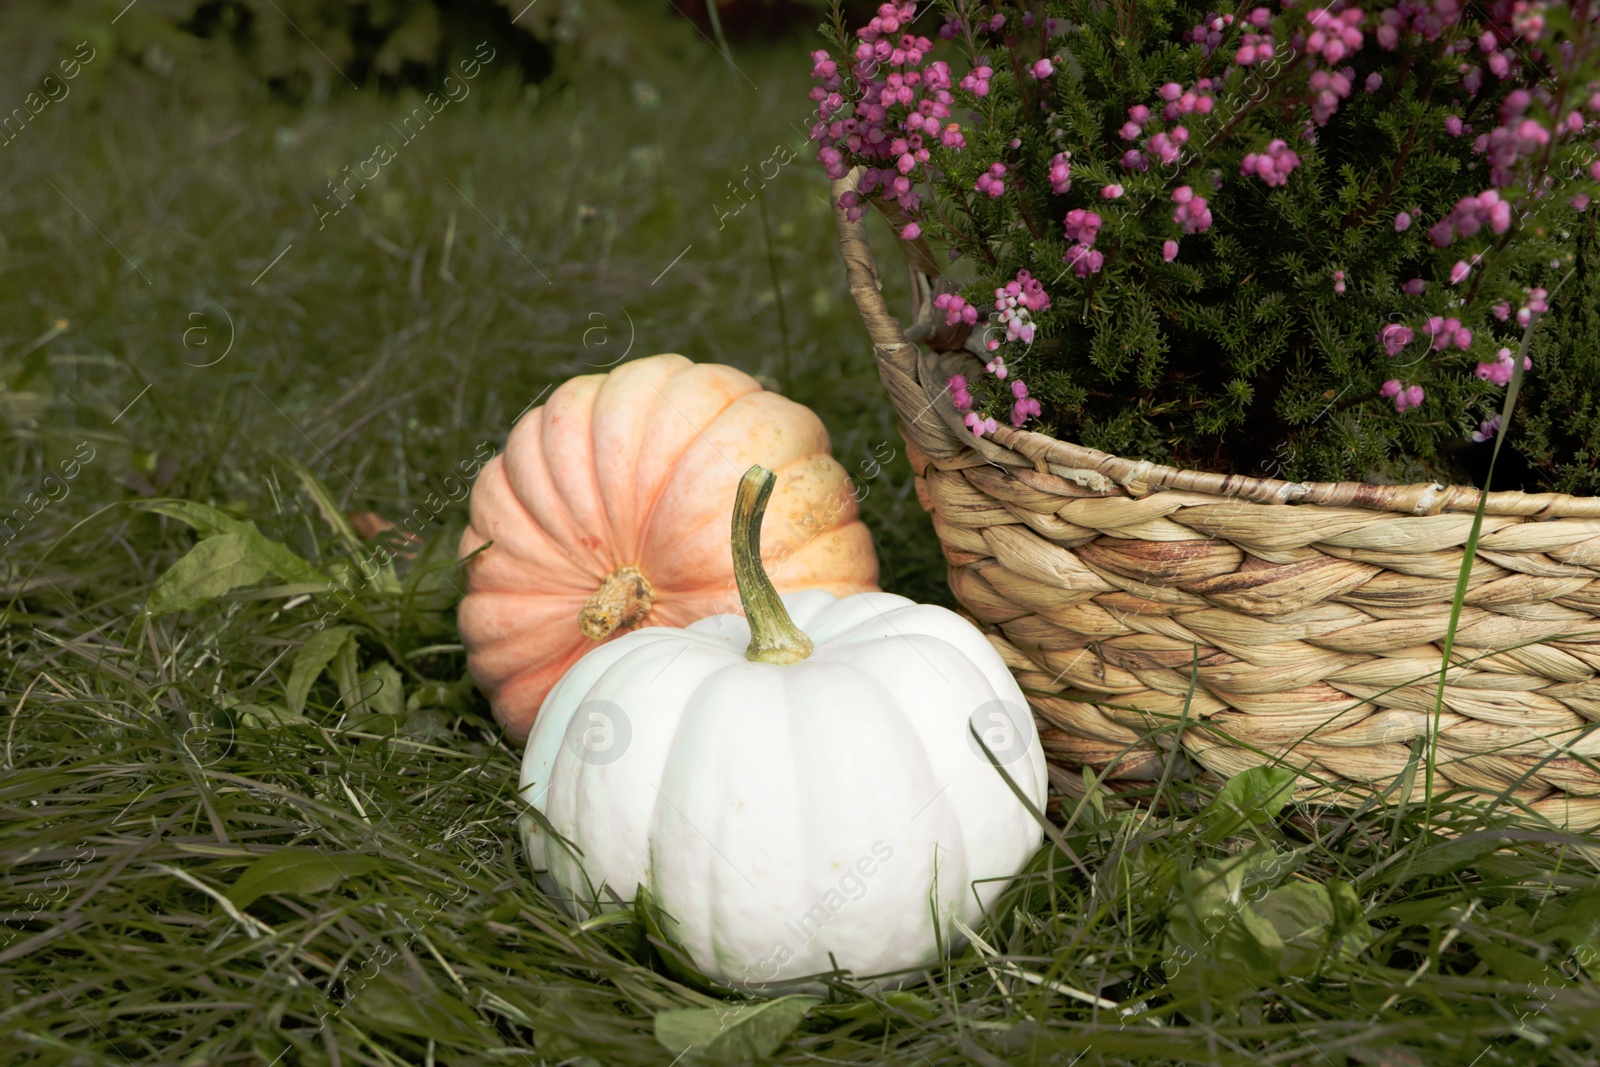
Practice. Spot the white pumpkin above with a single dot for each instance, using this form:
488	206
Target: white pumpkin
792	793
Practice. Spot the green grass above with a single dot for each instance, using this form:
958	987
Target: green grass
147	762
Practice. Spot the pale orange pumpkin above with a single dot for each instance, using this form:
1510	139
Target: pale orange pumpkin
608	510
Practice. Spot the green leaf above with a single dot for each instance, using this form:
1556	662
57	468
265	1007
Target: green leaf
1350	932
206	520
256	716
735	1034
231	553
211	522
1453	855
424	1012
215	566
383	580
313	657
870	1012
1513	966
1214	936
298	871
1302	914
1252	797
383	691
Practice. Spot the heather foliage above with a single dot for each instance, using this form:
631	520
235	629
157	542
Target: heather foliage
1289	240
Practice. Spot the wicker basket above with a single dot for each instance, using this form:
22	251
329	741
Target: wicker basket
1310	617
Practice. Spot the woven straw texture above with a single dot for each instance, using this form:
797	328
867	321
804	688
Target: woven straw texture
1300	623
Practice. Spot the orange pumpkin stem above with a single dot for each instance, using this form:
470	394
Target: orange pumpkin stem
622	601
774	638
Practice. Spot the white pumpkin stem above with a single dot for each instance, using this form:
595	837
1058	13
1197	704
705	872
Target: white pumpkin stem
774	638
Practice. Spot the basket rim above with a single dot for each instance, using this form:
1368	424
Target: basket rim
904	371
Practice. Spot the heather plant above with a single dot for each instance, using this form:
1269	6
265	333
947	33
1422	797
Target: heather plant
1289	240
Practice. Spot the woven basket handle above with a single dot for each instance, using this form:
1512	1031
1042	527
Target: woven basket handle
892	345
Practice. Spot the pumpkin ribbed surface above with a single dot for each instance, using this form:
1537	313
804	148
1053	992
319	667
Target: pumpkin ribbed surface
627	476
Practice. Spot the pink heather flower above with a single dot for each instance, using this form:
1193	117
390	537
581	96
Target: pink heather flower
1453	125
1022	409
1528	19
1446	332
951	136
1254	48
911	232
1395	337
991	183
1014	302
853	205
1208	34
1402	222
1338	281
1169	250
1536	305
959	396
1060	173
1405	396
1138	114
1499	372
1133	159
1272	166
1111	192
1130	131
977	82
1084	260
1082	226
956	309
1019	388
1042	69
1334	36
1389	31
1374	82
1580	202
1259	17
997	366
1170	91
1415	286
1488	429
1164	148
1502	311
1327	88
1510	142
1187	100
975	422
1191	213
1459	271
